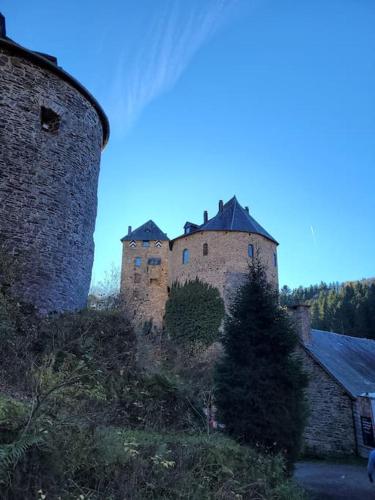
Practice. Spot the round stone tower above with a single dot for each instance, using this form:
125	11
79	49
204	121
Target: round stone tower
52	132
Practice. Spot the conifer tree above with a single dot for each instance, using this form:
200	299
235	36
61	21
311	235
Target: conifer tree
259	380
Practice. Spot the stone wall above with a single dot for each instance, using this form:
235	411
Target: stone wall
145	288
330	426
227	261
48	183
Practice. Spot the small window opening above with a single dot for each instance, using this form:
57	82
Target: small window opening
205	248
250	250
154	261
137	262
146	243
49	120
275	259
185	256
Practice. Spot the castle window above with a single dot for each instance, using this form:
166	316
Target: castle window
137	278
250	250
154	261
137	262
49	120
275	259
185	256
146	243
205	248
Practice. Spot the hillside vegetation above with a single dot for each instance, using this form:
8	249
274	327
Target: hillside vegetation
347	308
80	420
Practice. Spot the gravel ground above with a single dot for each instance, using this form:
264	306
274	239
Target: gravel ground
330	481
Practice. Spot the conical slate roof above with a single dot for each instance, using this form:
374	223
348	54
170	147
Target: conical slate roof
148	231
233	217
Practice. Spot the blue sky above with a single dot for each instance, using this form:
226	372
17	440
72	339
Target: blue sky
272	100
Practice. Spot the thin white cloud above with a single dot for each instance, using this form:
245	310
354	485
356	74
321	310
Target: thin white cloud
173	37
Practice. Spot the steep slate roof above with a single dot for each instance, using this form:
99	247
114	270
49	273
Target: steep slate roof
350	360
233	217
148	231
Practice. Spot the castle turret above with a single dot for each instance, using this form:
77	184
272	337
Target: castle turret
219	251
51	133
144	275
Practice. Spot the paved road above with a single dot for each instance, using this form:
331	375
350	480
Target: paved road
328	481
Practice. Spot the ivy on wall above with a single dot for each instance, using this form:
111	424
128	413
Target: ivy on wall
193	314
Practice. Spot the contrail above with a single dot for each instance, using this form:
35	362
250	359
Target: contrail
313	234
174	37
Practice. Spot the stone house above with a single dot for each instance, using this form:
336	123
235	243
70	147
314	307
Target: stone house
341	389
217	252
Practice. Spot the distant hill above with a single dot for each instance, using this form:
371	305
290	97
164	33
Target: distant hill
347	308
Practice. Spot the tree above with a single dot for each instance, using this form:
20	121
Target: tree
259	379
193	313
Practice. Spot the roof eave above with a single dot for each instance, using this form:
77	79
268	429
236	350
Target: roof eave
223	231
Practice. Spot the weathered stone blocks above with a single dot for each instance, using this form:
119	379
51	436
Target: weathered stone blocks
48	180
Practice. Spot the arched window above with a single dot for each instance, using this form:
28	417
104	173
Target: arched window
205	248
250	250
137	262
185	256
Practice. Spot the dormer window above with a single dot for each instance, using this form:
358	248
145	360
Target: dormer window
146	243
185	256
250	250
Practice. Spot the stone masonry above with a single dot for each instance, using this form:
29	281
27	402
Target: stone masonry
218	256
51	135
330	426
226	262
145	287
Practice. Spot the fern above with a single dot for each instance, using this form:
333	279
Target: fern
11	454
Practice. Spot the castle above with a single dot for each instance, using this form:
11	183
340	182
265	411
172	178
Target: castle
217	252
52	131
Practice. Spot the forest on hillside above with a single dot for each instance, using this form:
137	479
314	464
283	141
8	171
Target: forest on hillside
347	308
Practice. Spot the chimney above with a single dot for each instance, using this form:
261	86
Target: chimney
220	205
3	31
247	209
300	315
205	217
129	230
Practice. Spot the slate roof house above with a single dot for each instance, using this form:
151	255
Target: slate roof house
341	390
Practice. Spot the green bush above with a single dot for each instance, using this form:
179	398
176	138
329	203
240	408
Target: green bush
115	464
193	314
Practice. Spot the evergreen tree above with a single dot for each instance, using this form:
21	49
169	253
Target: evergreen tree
259	381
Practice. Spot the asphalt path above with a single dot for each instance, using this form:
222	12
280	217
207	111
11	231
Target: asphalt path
330	481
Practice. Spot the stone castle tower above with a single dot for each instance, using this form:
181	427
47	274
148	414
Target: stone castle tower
51	134
217	252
